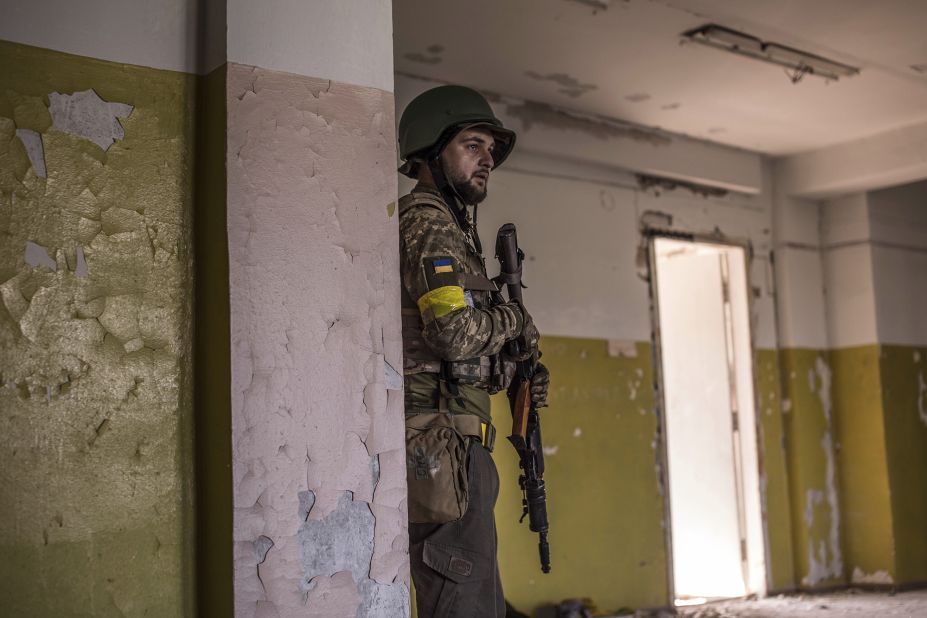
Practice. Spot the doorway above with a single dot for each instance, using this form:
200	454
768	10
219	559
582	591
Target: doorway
706	366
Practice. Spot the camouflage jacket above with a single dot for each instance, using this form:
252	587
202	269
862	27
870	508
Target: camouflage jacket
446	305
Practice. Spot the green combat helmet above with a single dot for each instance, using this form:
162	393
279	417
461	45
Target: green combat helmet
434	117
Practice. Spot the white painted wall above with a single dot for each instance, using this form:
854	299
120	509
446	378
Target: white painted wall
898	220
884	160
162	34
847	257
845	220
900	282
350	41
795	221
582	240
800	298
898	215
798	268
875	256
850	296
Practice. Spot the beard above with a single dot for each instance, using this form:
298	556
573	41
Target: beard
467	189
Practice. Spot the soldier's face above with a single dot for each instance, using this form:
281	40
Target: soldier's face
467	163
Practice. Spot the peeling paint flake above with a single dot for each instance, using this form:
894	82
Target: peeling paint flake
380	600
622	349
81	269
262	545
342	541
37	255
394	381
86	115
569	85
32	141
824	561
879	577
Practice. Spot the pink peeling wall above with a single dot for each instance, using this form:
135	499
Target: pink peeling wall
317	432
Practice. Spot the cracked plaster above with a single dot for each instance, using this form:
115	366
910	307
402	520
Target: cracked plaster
317	429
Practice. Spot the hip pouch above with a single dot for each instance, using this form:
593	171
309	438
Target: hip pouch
436	467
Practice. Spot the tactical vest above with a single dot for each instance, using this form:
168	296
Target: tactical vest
483	372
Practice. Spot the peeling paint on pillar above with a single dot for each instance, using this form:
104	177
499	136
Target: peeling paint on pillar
317	412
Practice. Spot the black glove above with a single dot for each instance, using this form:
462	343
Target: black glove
540	382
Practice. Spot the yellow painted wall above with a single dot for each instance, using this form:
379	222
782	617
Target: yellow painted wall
811	458
96	407
903	371
605	499
773	466
864	486
605	502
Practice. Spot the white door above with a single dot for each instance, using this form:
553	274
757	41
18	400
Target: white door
701	345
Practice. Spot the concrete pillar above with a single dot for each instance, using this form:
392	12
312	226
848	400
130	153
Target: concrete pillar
806	388
875	245
883	424
851	321
317	440
850	282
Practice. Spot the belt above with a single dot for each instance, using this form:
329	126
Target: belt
469	425
466	425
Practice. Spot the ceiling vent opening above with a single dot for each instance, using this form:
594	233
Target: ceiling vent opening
797	63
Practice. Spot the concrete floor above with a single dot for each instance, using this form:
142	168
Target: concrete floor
848	603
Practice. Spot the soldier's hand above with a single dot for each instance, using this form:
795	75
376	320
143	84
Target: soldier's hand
540	382
529	336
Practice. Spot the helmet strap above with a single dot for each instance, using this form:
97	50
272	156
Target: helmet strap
454	199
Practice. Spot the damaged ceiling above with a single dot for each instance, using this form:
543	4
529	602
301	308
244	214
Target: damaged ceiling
623	59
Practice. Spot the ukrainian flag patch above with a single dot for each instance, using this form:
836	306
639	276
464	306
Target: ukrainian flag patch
443	265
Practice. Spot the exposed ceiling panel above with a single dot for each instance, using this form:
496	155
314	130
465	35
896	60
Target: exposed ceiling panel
623	59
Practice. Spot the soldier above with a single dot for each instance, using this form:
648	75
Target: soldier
455	326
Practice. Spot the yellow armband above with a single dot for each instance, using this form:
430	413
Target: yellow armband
442	301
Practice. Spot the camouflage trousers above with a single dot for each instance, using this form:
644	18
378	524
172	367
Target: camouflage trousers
454	564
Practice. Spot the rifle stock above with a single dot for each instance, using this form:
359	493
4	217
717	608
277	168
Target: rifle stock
520	411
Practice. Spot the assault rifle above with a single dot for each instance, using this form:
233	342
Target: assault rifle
526	425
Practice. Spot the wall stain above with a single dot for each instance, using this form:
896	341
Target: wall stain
532	113
569	85
595	5
432	55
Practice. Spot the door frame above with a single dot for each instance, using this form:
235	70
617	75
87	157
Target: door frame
649	236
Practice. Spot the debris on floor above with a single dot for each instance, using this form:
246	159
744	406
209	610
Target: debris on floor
853	602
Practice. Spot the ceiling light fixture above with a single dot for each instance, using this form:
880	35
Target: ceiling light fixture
799	62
